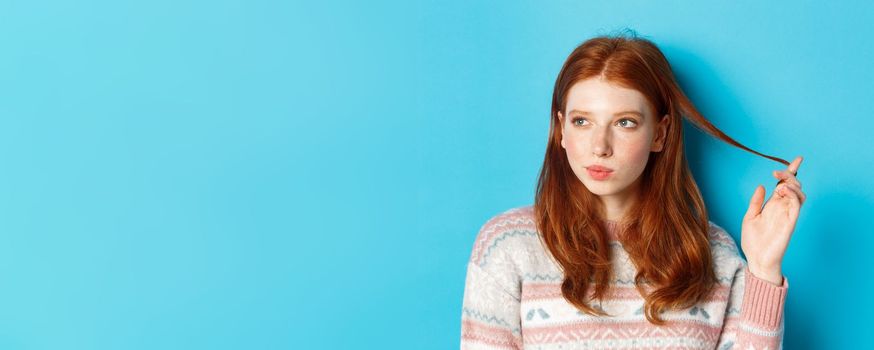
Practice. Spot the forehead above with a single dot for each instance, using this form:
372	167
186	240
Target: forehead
598	96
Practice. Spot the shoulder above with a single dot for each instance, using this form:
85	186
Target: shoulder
726	255
721	241
505	234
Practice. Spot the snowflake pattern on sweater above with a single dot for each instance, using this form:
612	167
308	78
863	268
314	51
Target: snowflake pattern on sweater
512	299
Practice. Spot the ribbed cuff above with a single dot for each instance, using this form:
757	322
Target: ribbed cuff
763	302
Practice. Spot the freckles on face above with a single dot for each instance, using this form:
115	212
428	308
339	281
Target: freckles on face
608	125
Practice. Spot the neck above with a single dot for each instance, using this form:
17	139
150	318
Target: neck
615	209
616	205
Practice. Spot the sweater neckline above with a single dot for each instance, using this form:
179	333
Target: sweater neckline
613	228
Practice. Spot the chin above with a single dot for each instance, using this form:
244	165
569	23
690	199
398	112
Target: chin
604	188
601	191
599	188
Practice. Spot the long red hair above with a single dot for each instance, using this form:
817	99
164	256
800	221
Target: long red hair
667	236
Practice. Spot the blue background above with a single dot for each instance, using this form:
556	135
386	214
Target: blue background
274	175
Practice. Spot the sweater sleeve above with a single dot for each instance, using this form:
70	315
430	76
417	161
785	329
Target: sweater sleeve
759	322
490	317
490	313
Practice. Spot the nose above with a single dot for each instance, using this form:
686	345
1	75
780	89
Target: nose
601	143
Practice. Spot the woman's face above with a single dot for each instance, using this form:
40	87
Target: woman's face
613	127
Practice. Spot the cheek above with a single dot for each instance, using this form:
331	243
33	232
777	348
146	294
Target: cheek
634	153
638	148
575	148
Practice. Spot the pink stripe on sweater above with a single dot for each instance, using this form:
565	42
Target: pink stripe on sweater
599	330
538	291
473	330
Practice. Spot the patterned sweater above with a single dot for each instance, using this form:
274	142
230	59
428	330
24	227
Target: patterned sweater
512	299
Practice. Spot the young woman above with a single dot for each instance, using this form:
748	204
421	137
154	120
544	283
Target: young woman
617	250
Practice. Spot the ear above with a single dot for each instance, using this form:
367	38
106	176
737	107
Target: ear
658	143
561	123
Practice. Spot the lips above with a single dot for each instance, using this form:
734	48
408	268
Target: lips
598	172
599	168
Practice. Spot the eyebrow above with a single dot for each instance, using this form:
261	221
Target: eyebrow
576	111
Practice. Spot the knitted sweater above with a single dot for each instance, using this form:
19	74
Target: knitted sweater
512	299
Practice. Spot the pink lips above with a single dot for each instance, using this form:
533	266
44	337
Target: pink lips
598	172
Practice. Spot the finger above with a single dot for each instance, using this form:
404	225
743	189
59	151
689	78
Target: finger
797	191
785	177
789	202
793	167
785	191
755	207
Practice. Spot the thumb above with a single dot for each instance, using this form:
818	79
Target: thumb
756	202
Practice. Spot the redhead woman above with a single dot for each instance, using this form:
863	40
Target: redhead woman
617	250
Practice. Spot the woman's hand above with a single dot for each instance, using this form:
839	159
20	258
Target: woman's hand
765	232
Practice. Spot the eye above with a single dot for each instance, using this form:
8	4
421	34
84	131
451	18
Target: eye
628	123
628	120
